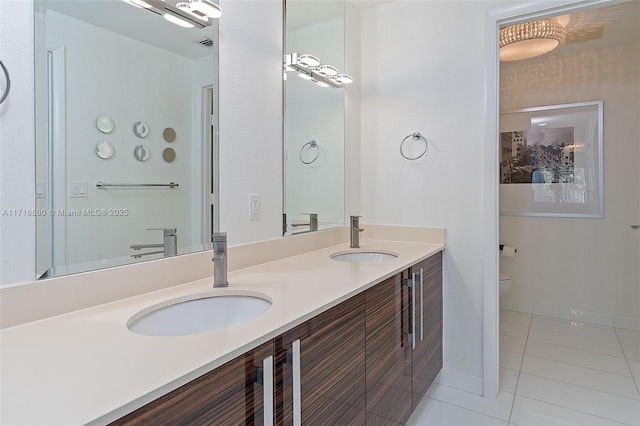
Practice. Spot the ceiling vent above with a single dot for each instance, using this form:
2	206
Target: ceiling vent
206	42
595	32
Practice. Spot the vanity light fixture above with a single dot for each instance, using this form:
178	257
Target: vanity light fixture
530	39
310	68
195	13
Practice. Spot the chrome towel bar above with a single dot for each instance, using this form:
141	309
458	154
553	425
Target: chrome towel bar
102	185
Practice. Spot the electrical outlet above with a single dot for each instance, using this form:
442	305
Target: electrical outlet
254	206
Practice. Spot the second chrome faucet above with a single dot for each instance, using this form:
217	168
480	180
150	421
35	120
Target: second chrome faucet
355	231
220	260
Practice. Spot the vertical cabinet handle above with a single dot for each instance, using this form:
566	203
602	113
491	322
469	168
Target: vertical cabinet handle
297	391
267	368
413	311
421	305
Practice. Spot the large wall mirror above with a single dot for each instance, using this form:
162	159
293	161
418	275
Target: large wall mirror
314	115
126	103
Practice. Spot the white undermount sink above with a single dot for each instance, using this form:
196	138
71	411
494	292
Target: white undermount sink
363	256
199	313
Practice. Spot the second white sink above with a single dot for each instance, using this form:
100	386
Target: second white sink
363	256
199	313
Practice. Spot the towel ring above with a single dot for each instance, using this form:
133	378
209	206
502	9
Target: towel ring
415	136
8	80
312	144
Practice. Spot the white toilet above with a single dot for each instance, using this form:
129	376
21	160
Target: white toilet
505	282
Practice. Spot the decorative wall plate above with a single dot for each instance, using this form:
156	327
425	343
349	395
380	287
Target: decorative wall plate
169	134
104	150
141	129
141	153
105	124
169	155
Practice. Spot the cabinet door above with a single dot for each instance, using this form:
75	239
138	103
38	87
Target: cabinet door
321	366
229	395
427	355
388	350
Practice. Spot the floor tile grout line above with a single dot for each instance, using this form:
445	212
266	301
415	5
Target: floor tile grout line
626	330
576	365
592	368
585	323
578	335
579	386
515	391
573	409
628	365
583	350
466	408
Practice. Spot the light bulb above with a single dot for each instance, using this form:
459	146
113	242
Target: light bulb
186	7
343	78
328	70
308	60
206	7
178	21
140	3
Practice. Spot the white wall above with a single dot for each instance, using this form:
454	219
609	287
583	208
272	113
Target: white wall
251	118
419	74
17	148
586	264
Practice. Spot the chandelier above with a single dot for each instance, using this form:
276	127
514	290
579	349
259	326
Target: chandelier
530	39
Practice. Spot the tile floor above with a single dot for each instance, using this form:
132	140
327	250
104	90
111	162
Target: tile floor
552	372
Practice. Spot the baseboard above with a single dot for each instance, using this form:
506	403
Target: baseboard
572	314
460	381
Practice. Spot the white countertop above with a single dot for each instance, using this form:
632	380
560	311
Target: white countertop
87	367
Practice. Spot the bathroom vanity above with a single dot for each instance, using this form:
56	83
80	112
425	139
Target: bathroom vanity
342	343
368	360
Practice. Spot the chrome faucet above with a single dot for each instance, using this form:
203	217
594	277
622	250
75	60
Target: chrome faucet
313	222
220	260
355	231
169	244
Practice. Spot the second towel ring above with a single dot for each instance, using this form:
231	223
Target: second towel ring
415	136
312	144
8	83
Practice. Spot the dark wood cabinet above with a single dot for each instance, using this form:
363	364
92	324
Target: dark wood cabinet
427	354
229	395
320	368
368	360
388	352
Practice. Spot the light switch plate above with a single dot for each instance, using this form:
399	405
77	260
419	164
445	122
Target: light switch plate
78	189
